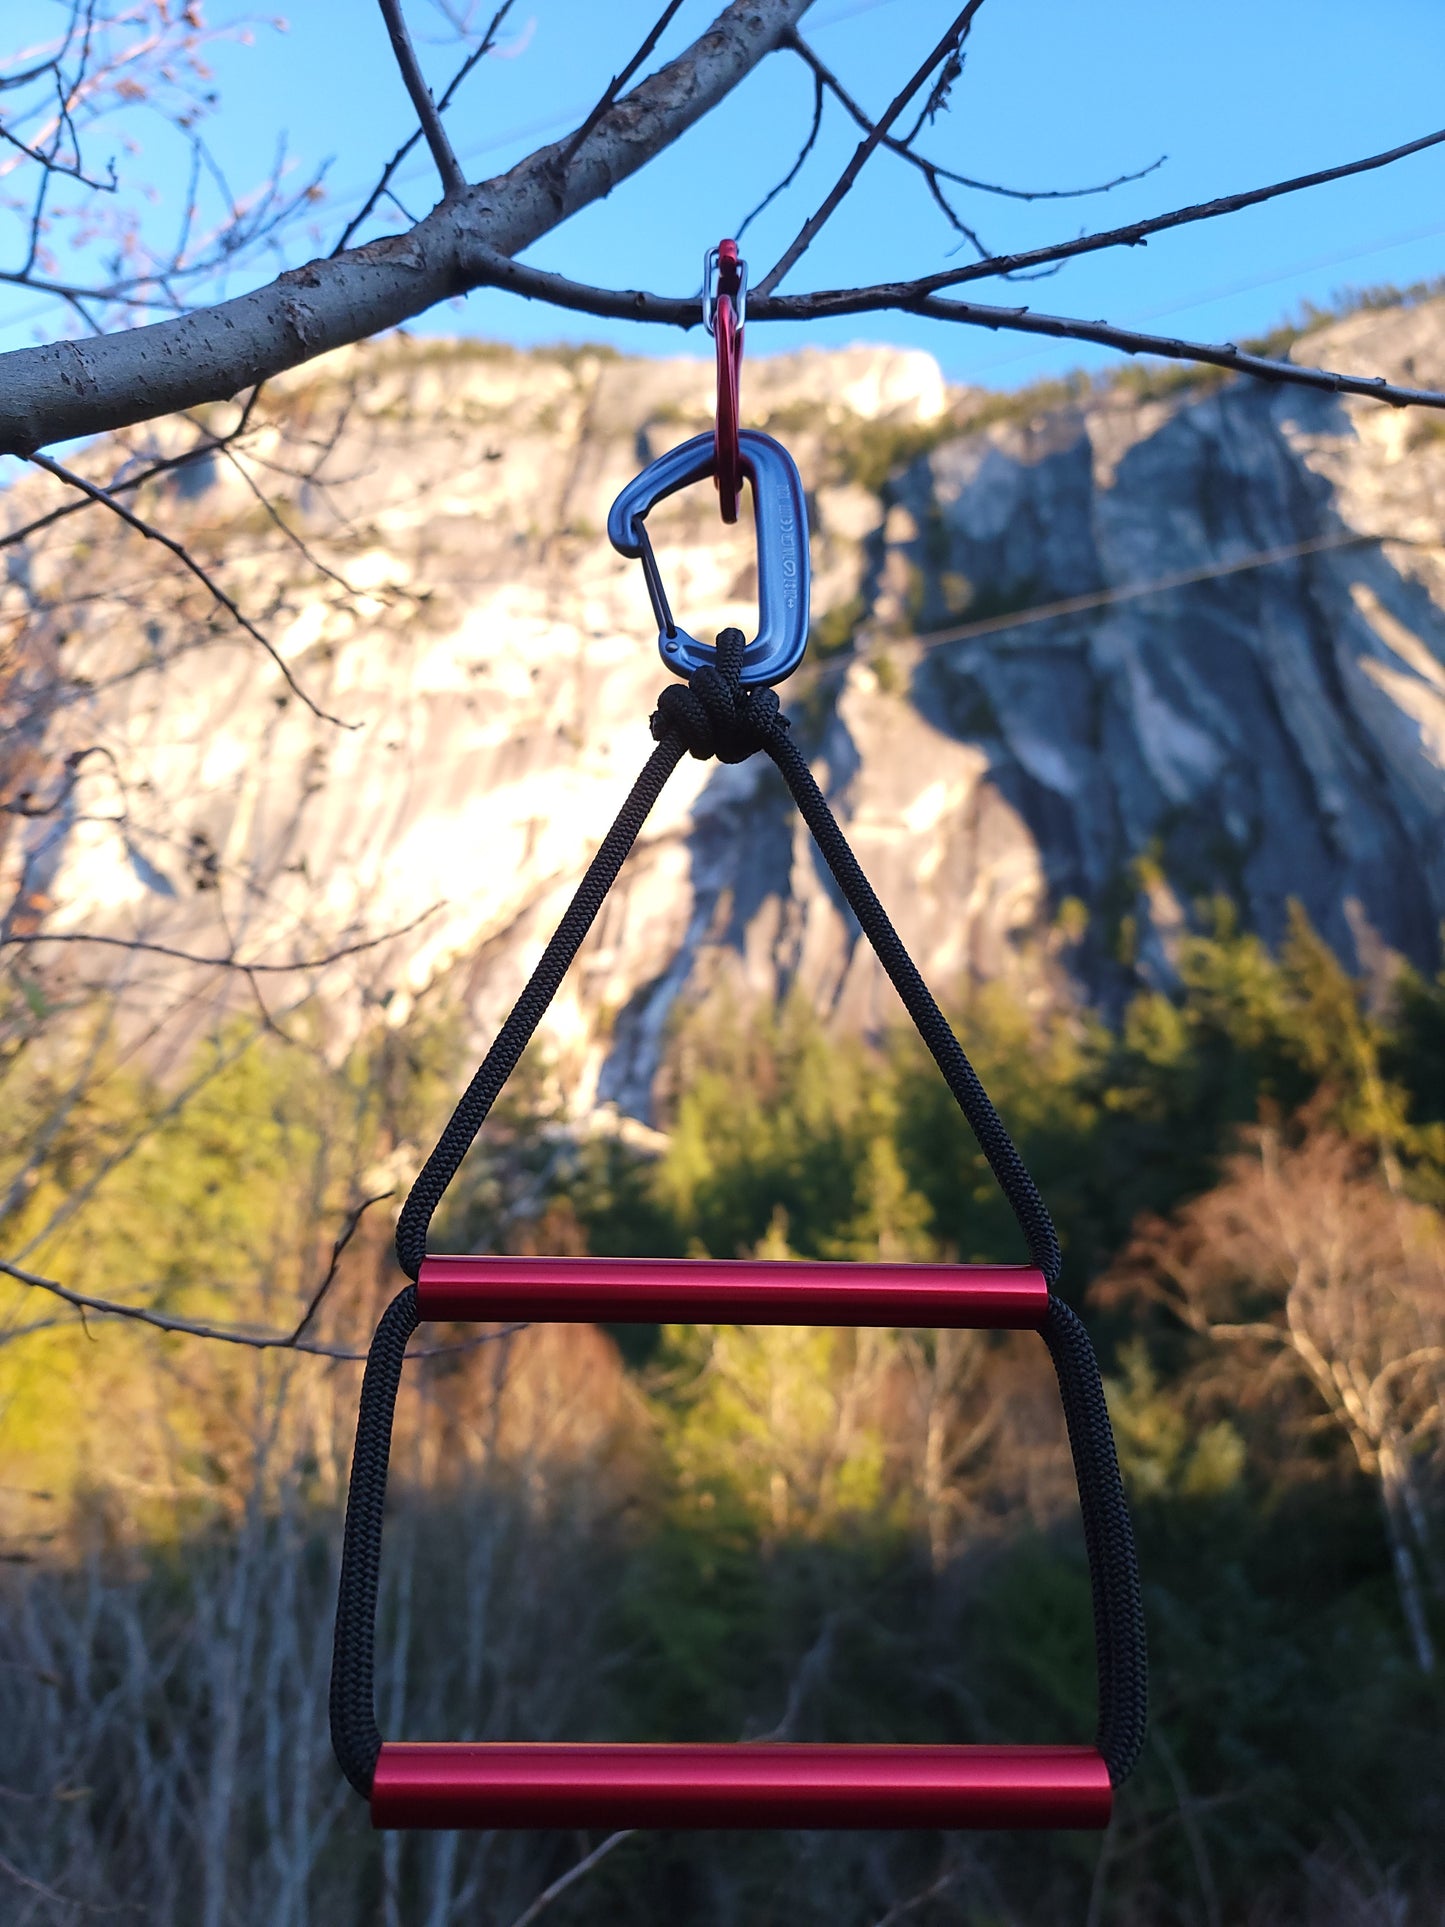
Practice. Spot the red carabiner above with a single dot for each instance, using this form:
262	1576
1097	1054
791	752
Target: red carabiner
725	282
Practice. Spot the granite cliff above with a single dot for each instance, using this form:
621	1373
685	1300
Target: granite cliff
1044	799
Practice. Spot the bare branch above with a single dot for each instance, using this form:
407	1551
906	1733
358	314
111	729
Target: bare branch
793	172
209	444
448	166
343	1239
8	82
21	1879
70	389
683	311
617	83
907	294
118	59
67	389
279	522
1131	342
383	186
183	555
569	1879
933	172
54	166
948	1877
79	1195
945	50
1136	233
258	1341
241	964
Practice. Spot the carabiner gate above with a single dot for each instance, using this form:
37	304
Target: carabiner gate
780	519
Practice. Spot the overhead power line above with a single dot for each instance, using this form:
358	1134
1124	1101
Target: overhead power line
1134	591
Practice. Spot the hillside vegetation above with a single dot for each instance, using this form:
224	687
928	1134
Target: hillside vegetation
728	1533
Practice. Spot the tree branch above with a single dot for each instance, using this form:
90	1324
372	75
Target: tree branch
827	78
183	555
454	181
683	311
163	465
617	83
1136	233
54	166
907	294
793	172
240	964
569	1879
383	186
1131	342
69	389
342	1240
258	1341
66	389
945	47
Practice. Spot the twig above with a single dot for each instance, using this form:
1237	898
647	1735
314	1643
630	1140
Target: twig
278	521
78	1195
902	294
616	84
1193	1832
812	1669
943	50
12	1872
1131	342
209	445
448	166
183	555
220	963
1136	233
383	186
571	1877
342	1240
54	166
902	1908
933	171
56	391
260	1341
23	79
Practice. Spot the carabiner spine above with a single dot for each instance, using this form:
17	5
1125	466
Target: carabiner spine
780	518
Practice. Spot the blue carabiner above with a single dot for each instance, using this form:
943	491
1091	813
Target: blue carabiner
780	519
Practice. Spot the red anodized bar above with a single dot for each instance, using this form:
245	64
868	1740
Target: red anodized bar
748	1785
729	1291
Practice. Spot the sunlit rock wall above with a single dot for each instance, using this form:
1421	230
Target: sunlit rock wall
1046	802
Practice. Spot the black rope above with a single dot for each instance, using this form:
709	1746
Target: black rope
714	715
1120	1644
960	1076
354	1732
512	1039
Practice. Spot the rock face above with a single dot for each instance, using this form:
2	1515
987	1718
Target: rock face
1044	798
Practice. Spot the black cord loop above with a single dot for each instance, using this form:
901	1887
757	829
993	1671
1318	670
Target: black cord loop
355	1735
1121	1647
514	1036
713	715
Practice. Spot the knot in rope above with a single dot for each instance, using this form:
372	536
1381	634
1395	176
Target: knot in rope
712	712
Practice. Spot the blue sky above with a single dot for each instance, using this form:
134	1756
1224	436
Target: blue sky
1054	95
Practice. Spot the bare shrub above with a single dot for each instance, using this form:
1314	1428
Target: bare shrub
1307	1260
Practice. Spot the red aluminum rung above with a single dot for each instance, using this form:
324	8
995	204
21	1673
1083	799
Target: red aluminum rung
757	1784
726	1291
